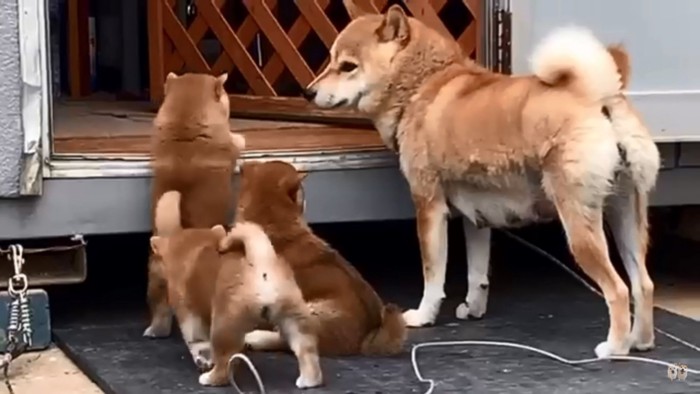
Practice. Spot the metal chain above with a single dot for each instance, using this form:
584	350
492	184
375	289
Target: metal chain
19	330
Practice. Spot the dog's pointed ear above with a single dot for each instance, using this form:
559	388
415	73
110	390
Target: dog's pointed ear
395	26
354	10
292	185
219	86
158	245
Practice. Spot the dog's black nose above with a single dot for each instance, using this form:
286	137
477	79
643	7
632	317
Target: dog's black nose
308	94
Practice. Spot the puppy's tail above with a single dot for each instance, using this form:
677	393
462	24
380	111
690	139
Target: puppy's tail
574	58
167	213
269	275
258	247
389	337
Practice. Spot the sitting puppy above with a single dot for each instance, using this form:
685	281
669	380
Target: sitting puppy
351	317
193	152
221	286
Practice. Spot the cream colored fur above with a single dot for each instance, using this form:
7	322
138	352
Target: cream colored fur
562	143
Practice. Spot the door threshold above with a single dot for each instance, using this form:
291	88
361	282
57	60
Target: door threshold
125	166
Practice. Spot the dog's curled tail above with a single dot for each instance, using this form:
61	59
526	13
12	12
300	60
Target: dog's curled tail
574	58
167	213
258	247
389	337
269	275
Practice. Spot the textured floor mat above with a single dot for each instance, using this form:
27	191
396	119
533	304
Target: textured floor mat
532	302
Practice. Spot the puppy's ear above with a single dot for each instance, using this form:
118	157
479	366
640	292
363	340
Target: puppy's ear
395	26
354	10
219	86
292	185
158	245
168	80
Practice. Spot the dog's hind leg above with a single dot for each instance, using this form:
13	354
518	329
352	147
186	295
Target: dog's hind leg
579	197
627	217
584	230
157	295
431	220
478	243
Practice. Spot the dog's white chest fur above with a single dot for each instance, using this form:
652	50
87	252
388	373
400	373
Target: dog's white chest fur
518	204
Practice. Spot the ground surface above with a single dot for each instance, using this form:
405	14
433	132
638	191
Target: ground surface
45	372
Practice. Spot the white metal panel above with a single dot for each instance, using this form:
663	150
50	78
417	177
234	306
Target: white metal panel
661	36
33	60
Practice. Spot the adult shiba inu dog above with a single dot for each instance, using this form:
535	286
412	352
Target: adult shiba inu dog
507	151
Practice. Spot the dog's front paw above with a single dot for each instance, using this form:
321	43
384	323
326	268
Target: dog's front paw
417	318
607	349
306	382
156	332
466	310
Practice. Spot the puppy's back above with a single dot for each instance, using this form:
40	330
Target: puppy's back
193	151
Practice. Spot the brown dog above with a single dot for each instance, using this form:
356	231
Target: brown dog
218	292
506	151
193	152
351	317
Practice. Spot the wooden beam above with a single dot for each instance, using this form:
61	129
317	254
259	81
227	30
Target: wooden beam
78	48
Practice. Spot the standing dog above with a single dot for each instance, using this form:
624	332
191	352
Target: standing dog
219	293
507	151
194	152
350	315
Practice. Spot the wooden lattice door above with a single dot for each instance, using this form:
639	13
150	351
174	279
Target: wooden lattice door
273	48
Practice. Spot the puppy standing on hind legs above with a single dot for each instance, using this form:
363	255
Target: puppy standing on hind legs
193	152
505	151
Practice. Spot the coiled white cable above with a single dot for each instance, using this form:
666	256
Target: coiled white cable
251	367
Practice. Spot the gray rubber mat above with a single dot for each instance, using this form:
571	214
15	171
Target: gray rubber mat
532	302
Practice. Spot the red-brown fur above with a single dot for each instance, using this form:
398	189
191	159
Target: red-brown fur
221	286
352	317
193	152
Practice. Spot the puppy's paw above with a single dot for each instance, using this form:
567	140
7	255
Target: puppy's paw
306	382
210	379
466	310
203	363
417	318
154	331
607	349
205	379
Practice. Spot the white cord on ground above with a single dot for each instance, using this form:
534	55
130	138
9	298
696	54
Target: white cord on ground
578	277
251	367
431	382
